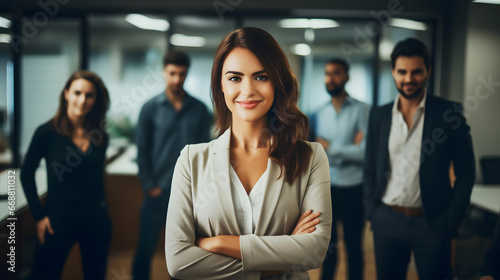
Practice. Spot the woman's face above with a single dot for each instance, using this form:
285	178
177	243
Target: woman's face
248	91
80	97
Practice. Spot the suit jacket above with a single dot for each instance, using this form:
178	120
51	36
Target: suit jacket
201	205
445	138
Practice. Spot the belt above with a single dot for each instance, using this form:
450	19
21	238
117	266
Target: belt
408	211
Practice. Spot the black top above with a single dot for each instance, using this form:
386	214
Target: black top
161	134
74	177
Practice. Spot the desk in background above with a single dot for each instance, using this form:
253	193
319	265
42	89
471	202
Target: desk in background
5	159
41	183
21	202
486	197
125	164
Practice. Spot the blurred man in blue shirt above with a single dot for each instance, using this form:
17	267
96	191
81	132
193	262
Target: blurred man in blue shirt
167	123
340	128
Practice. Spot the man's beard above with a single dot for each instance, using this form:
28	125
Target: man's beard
178	92
336	91
412	96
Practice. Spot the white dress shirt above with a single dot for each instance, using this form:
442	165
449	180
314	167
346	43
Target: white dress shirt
248	206
403	187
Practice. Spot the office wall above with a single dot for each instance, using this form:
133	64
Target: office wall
482	79
452	49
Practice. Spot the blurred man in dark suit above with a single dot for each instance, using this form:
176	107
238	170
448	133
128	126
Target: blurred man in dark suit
410	146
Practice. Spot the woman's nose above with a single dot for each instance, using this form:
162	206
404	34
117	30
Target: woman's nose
247	87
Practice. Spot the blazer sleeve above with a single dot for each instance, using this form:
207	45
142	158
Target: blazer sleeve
184	259
465	169
144	131
296	252
369	181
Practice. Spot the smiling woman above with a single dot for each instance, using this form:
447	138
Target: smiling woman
73	144
80	98
249	94
241	205
286	124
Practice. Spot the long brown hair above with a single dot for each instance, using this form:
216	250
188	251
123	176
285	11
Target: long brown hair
96	118
287	125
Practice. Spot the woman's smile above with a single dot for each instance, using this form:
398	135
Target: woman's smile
250	104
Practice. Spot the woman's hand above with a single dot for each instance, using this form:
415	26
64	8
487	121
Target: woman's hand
155	192
307	222
42	226
226	245
206	243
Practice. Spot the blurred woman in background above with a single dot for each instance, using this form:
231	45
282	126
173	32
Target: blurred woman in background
73	144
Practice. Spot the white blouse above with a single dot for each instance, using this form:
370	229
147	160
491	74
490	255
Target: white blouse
248	206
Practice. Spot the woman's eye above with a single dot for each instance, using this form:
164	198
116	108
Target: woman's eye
77	92
234	79
262	78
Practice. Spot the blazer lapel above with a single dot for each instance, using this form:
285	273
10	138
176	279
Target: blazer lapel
273	187
429	124
385	130
220	163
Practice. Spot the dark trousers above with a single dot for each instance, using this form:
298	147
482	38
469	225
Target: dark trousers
90	227
347	203
395	236
153	216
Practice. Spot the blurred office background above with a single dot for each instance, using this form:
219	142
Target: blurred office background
123	41
42	43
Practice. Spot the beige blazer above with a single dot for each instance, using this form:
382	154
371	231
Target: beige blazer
201	205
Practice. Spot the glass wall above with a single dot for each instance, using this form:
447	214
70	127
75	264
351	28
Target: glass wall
338	42
48	59
128	55
209	31
129	60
